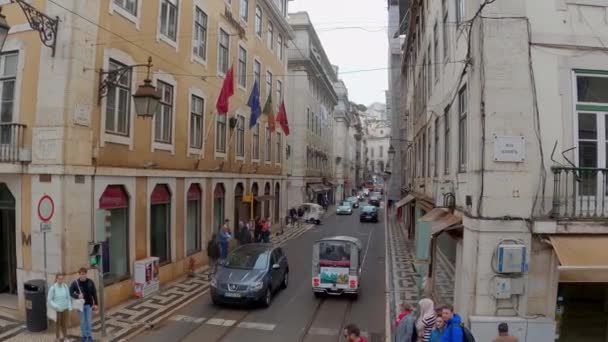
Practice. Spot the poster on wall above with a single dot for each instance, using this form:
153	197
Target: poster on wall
146	277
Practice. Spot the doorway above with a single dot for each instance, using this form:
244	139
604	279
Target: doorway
8	247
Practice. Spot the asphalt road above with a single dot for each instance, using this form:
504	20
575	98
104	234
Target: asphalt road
295	314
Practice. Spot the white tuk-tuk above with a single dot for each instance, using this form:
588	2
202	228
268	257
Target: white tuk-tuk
312	213
336	266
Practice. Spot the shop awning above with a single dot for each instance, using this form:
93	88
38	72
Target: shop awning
405	200
441	221
582	258
318	187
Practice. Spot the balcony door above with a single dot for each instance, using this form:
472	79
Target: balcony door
591	179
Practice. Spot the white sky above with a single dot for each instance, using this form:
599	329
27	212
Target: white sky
353	48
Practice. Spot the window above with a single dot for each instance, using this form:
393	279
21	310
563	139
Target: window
268	83
193	219
462	129
314	124
280	47
244	10
270	36
256	142
160	223
279	91
445	27
268	148
240	136
196	122
224	43
168	19
257	71
8	77
428	152
279	151
163	120
429	74
199	41
128	5
308	118
436	149
591	89
459	11
446	140
220	134
381	151
372	151
242	77
118	100
436	52
258	21
423	149
115	200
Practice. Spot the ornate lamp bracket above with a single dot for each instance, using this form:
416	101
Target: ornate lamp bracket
45	25
109	79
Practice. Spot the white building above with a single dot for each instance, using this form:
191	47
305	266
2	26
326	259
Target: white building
312	99
378	138
344	143
508	103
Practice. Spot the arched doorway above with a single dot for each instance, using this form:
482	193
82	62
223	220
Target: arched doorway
218	206
8	247
116	248
160	223
267	200
257	211
277	202
240	209
194	198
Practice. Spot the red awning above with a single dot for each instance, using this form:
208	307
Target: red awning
160	195
194	192
219	191
114	197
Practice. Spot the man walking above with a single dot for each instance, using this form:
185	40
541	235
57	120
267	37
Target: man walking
503	334
83	288
352	333
453	329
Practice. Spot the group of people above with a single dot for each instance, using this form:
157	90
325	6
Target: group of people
437	324
80	295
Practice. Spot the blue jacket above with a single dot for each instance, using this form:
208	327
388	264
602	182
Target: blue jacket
453	330
436	335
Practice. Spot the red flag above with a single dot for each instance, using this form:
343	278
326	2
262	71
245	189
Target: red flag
225	93
282	118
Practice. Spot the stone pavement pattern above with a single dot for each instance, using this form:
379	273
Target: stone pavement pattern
131	318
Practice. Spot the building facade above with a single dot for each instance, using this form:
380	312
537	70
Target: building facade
169	181
344	143
311	99
508	160
378	138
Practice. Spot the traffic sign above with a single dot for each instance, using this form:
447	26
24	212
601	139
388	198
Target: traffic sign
45	226
46	208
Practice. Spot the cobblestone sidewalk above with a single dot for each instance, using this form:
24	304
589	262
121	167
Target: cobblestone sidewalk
131	318
402	275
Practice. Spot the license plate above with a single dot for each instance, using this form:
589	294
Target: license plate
232	295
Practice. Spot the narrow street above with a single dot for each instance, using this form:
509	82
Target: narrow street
295	314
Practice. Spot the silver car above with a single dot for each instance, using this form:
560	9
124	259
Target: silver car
251	274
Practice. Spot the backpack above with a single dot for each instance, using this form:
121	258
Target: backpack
467	336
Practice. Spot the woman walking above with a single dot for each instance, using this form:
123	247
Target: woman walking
438	331
225	237
59	299
426	320
213	252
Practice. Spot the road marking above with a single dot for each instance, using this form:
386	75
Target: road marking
257	326
221	322
323	331
187	319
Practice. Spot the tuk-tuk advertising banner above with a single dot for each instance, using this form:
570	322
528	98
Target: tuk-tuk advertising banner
334	275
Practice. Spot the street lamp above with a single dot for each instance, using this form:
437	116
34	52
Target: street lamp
146	98
45	25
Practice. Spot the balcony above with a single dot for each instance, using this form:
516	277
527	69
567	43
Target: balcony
580	193
12	137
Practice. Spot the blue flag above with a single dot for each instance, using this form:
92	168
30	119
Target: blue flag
254	104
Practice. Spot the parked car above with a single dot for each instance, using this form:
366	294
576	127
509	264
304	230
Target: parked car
252	273
369	213
374	200
354	201
344	208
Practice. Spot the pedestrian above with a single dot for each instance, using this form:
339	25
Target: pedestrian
266	230
503	334
404	310
406	329
438	331
245	235
225	237
352	333
453	329
60	301
213	253
426	320
83	288
257	230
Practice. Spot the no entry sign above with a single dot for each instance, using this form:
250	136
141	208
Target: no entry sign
46	208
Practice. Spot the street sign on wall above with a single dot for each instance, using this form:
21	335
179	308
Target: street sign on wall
46	208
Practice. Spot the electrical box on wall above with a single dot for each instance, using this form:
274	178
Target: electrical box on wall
504	288
511	258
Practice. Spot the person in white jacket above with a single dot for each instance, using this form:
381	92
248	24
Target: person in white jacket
59	300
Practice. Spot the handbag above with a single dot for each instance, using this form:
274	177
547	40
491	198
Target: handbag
51	313
77	303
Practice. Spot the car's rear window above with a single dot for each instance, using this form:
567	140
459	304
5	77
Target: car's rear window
369	209
334	253
248	260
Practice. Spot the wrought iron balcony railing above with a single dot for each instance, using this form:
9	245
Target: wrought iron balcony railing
580	193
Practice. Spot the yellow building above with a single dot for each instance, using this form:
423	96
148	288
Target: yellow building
69	131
